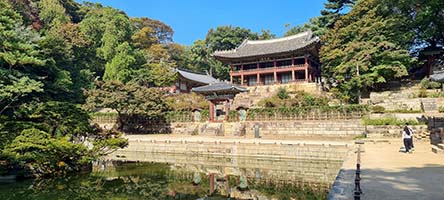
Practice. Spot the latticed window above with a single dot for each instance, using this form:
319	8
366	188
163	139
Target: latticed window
286	78
269	79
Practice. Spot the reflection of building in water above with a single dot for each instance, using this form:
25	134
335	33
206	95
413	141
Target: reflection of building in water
310	171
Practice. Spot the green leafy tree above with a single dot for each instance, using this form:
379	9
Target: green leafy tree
52	13
426	18
128	100
121	65
368	46
19	88
266	35
333	11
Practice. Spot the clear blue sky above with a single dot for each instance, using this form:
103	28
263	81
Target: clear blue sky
191	19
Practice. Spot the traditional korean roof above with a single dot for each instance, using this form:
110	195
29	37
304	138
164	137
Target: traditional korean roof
196	77
251	48
220	87
439	77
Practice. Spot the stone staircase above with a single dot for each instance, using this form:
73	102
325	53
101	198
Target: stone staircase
438	148
257	93
437	140
212	129
429	105
235	129
253	96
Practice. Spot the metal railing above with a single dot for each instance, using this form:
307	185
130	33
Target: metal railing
357	190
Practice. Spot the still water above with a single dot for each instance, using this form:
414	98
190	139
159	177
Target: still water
202	178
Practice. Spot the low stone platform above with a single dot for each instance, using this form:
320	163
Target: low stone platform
226	146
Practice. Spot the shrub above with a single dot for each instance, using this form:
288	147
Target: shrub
282	93
390	121
378	109
422	93
427	84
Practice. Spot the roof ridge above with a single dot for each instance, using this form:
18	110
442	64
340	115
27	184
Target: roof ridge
191	71
302	34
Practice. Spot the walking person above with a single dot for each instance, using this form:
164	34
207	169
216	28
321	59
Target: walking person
407	139
411	134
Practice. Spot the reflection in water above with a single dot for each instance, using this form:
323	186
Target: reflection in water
188	178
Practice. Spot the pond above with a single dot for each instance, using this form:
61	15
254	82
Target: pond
205	179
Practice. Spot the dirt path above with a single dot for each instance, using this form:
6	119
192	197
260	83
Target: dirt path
390	174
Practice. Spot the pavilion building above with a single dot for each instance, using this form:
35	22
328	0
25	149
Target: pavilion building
284	60
186	80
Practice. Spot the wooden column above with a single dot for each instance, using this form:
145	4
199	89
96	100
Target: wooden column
227	109
258	75
211	111
274	71
231	74
306	67
242	74
292	70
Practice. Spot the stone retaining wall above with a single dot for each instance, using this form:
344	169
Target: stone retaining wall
395	131
258	149
274	129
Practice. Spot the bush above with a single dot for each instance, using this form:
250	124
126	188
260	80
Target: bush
378	109
282	93
186	102
427	84
422	93
391	121
300	99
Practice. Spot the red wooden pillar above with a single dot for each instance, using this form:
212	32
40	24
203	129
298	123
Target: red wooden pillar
306	67
212	188
274	72
242	74
258	76
227	109
292	70
211	111
231	74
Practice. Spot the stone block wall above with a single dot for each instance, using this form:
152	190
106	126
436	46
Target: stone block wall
272	129
288	170
420	131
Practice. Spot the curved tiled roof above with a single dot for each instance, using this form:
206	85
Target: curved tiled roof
219	87
265	47
196	77
439	77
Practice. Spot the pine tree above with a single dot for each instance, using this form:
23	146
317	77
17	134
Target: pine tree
366	47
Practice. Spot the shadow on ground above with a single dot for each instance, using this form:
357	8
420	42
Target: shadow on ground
410	183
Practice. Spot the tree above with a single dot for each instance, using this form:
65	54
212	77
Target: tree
128	100
52	13
333	10
426	18
227	37
120	67
368	46
19	88
160	31
266	35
